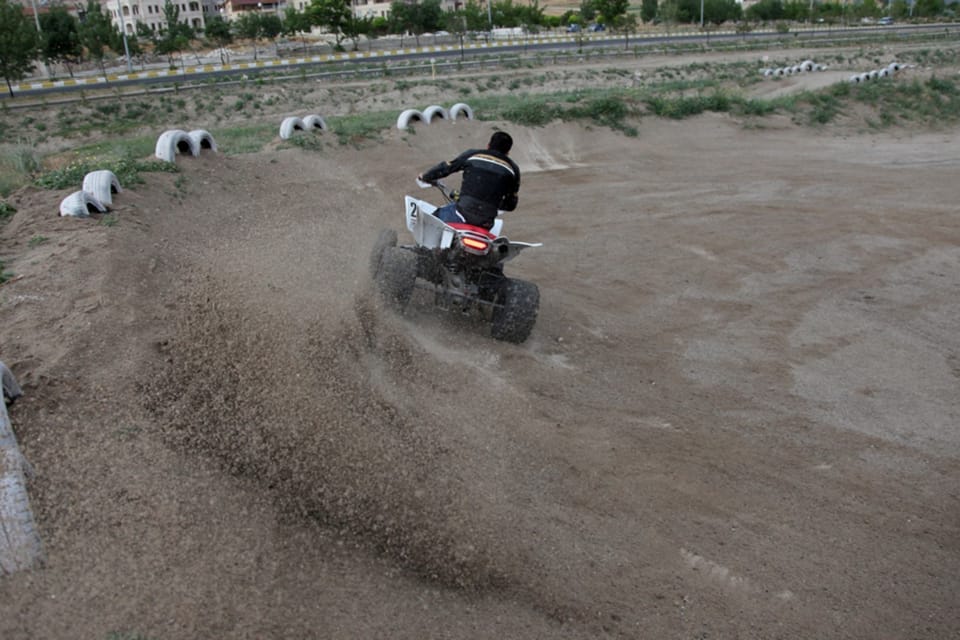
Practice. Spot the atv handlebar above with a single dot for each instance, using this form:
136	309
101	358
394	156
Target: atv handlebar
450	194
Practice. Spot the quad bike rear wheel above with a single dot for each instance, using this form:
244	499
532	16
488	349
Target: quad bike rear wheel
387	238
515	310
396	276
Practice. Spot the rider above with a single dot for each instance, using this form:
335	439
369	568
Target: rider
491	181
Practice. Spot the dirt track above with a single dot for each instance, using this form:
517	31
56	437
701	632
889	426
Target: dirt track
736	417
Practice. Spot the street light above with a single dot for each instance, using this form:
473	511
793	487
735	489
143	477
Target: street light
123	32
36	20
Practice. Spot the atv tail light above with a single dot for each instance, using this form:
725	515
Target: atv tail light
474	243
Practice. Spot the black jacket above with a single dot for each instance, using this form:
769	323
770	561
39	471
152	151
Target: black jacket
491	181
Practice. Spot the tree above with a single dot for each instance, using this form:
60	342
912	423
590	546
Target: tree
648	10
176	36
628	24
720	11
428	16
19	43
400	18
332	14
588	10
97	34
270	27
247	25
295	22
416	18
767	10
612	11
456	23
218	30
60	38
928	8
476	16
355	27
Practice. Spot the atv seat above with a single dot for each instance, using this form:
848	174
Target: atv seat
462	226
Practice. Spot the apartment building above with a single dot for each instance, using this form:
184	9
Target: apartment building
125	14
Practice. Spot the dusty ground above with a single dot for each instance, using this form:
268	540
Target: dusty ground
736	416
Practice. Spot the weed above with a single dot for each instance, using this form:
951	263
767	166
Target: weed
531	113
244	139
18	164
356	129
4	274
6	211
680	107
109	220
127	171
308	142
36	241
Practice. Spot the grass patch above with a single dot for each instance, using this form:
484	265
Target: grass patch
239	140
358	129
6	211
127	171
679	107
4	274
18	164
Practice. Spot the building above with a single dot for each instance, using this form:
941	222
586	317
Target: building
380	9
125	14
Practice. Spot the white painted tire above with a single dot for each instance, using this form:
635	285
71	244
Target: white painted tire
314	122
807	65
894	67
79	205
20	545
435	112
173	141
883	73
461	108
202	140
102	185
289	125
408	117
873	75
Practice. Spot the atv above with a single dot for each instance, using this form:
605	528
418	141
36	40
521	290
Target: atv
460	264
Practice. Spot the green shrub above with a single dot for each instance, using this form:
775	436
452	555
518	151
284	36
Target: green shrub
127	171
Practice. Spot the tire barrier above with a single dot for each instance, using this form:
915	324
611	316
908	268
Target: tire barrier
20	546
289	125
292	124
81	204
884	72
314	122
102	185
173	141
434	112
461	108
202	140
408	117
806	66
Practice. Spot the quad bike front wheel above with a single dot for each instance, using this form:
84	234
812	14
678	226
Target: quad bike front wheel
387	238
515	310
396	276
